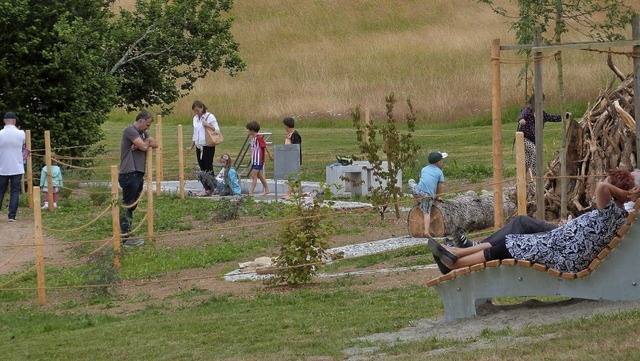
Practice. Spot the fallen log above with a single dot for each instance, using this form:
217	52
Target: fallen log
470	211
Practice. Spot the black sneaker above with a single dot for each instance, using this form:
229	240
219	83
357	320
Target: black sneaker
459	239
449	242
132	242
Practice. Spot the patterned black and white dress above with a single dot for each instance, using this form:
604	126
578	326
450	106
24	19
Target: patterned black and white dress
571	247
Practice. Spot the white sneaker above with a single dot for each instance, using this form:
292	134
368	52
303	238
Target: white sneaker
55	205
46	205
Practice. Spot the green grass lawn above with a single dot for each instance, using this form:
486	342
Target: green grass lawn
469	148
298	323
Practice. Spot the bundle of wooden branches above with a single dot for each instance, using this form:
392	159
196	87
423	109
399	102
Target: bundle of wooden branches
603	139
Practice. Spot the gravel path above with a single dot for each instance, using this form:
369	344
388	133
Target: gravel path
351	251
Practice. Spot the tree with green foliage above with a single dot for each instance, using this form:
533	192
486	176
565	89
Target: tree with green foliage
598	19
399	149
65	64
304	237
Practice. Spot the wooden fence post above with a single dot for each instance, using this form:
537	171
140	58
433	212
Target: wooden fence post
159	156
115	217
496	109
180	162
521	175
29	171
47	159
539	94
149	174
37	220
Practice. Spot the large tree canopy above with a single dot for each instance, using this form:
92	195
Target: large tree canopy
65	64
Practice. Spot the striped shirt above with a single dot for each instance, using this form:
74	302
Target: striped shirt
257	150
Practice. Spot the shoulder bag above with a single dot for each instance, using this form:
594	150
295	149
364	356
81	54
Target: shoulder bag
211	138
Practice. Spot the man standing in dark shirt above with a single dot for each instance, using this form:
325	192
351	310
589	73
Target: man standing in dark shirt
133	161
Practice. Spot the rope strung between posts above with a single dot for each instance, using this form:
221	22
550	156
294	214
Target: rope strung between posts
82	258
17	278
81	227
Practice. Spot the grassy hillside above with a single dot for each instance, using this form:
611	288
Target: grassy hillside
318	59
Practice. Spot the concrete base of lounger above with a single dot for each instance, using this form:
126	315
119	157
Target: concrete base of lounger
614	275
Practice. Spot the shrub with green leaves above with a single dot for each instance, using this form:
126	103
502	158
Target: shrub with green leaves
228	209
303	241
399	149
101	275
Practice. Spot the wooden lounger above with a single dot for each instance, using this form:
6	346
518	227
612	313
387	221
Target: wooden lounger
613	275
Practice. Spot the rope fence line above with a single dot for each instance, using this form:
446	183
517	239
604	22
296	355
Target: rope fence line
531	59
16	278
134	204
266	223
142	222
78	167
14	254
80	259
144	282
84	191
82	226
75	243
102	157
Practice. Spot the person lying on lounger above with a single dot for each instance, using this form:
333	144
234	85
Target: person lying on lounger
568	248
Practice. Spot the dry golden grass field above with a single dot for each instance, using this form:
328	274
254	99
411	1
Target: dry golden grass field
318	59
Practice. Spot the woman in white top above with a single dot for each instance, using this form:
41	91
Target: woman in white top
201	120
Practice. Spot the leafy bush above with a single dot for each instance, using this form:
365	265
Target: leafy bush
101	275
303	240
228	209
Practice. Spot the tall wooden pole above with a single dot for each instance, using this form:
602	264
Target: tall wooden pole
159	156
563	147
29	171
496	110
539	94
180	162
47	158
115	216
636	84
149	174
39	242
521	175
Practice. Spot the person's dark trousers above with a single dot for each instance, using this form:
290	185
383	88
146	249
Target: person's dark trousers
520	225
131	184
205	161
14	192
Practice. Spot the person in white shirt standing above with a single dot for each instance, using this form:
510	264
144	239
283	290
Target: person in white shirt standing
205	154
11	167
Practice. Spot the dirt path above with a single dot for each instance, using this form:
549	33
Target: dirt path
17	251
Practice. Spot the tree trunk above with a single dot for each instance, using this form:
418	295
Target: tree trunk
470	211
